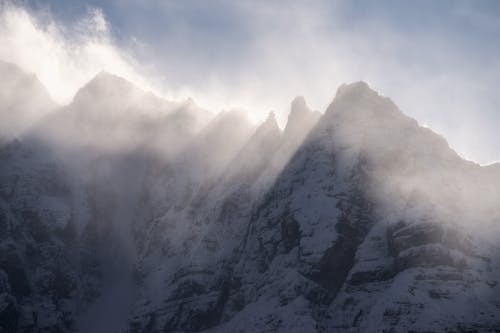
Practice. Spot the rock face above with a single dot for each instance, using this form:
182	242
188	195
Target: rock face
355	220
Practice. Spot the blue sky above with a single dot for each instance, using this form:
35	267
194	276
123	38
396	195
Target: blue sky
438	60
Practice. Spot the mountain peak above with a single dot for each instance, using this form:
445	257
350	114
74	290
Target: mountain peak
359	100
23	100
299	105
106	76
300	118
258	150
105	85
270	125
271	119
355	89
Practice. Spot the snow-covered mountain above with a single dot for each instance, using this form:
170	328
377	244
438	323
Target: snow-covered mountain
23	101
123	212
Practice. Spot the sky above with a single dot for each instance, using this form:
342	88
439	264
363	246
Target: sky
439	61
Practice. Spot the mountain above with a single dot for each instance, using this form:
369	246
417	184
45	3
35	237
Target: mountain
110	113
23	101
122	212
341	242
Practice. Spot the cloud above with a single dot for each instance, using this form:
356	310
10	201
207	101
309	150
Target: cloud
63	57
441	68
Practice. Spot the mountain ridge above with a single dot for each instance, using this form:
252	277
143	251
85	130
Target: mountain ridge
23	101
356	219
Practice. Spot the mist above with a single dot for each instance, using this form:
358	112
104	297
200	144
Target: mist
132	204
64	57
271	54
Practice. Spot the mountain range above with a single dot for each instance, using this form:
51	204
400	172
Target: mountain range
125	212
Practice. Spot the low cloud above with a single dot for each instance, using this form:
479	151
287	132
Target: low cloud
63	57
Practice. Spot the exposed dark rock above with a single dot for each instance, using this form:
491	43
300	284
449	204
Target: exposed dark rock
290	233
9	314
12	265
336	263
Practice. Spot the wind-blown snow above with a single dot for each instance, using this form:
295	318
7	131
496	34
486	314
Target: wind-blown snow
125	212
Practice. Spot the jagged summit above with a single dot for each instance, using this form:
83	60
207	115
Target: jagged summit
358	87
268	132
107	95
259	149
270	122
299	105
23	100
359	96
107	86
301	118
359	105
18	84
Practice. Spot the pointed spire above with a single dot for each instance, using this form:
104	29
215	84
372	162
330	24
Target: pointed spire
300	118
299	105
270	125
271	119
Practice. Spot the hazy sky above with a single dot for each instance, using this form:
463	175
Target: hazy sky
438	60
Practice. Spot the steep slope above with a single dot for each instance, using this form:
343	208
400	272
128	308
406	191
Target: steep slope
300	122
428	254
47	262
181	228
67	246
212	227
125	212
342	243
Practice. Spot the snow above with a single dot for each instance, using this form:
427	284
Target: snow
237	227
